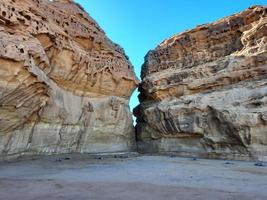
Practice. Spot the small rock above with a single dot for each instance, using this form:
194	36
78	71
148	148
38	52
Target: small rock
123	156
98	157
260	164
58	160
229	163
194	158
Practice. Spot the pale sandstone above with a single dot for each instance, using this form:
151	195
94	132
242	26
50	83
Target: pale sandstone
64	86
204	91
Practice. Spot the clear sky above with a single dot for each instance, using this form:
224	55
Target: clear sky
139	25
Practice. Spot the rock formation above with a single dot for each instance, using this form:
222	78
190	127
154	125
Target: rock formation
64	86
204	91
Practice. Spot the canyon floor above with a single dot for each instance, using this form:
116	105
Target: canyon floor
133	177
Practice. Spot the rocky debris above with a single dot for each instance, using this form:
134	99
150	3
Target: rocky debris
64	86
204	91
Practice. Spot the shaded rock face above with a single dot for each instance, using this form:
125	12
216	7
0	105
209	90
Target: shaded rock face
204	91
64	86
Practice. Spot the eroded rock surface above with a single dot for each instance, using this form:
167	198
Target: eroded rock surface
64	86
204	91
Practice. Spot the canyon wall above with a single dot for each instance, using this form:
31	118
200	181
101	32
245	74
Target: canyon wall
204	91
64	86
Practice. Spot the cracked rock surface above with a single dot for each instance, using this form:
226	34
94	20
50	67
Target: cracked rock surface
64	86
204	91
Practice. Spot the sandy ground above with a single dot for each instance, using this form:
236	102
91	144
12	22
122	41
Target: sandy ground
81	177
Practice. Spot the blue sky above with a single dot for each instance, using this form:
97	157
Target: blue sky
139	25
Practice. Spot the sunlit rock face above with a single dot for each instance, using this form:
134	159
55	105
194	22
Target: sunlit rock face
64	86
204	91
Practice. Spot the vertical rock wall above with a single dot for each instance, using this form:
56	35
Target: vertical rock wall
204	91
64	86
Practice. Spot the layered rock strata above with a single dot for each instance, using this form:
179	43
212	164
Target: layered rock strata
64	86
204	91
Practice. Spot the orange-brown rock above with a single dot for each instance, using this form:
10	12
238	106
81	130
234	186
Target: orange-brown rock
64	86
204	91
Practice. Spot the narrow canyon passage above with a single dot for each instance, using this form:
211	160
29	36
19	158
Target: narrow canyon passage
68	96
65	86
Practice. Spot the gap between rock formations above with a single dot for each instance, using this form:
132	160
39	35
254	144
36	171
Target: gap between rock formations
65	86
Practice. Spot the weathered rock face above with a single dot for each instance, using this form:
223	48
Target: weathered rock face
204	92
64	86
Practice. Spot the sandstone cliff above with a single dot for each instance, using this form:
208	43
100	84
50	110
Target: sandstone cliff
204	91
64	86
